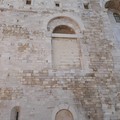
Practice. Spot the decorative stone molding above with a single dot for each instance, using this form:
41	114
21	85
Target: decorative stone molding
71	17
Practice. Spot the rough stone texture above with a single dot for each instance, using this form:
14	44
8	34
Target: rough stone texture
29	81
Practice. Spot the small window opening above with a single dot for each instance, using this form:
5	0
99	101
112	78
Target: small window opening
86	5
57	4
17	115
117	17
28	2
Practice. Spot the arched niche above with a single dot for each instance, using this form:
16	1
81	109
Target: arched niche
64	114
75	18
15	113
66	52
64	111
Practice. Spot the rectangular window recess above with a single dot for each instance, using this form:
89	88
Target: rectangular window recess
86	6
57	4
28	2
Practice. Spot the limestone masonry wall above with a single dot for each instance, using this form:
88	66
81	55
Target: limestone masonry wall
39	79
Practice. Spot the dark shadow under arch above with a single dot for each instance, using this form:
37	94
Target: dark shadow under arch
63	29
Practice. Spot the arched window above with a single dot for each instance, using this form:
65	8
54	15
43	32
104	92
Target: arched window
15	113
65	42
64	115
65	47
117	17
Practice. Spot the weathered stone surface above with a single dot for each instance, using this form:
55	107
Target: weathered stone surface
36	78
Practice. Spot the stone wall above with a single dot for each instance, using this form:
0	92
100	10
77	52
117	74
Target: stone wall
28	79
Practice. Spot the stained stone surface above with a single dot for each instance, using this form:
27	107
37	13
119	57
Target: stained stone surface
86	87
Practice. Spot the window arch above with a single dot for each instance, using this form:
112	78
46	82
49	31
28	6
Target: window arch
64	114
63	21
74	22
15	113
65	43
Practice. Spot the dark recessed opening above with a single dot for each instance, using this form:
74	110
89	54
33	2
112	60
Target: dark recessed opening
117	17
86	6
57	4
28	2
63	29
17	115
